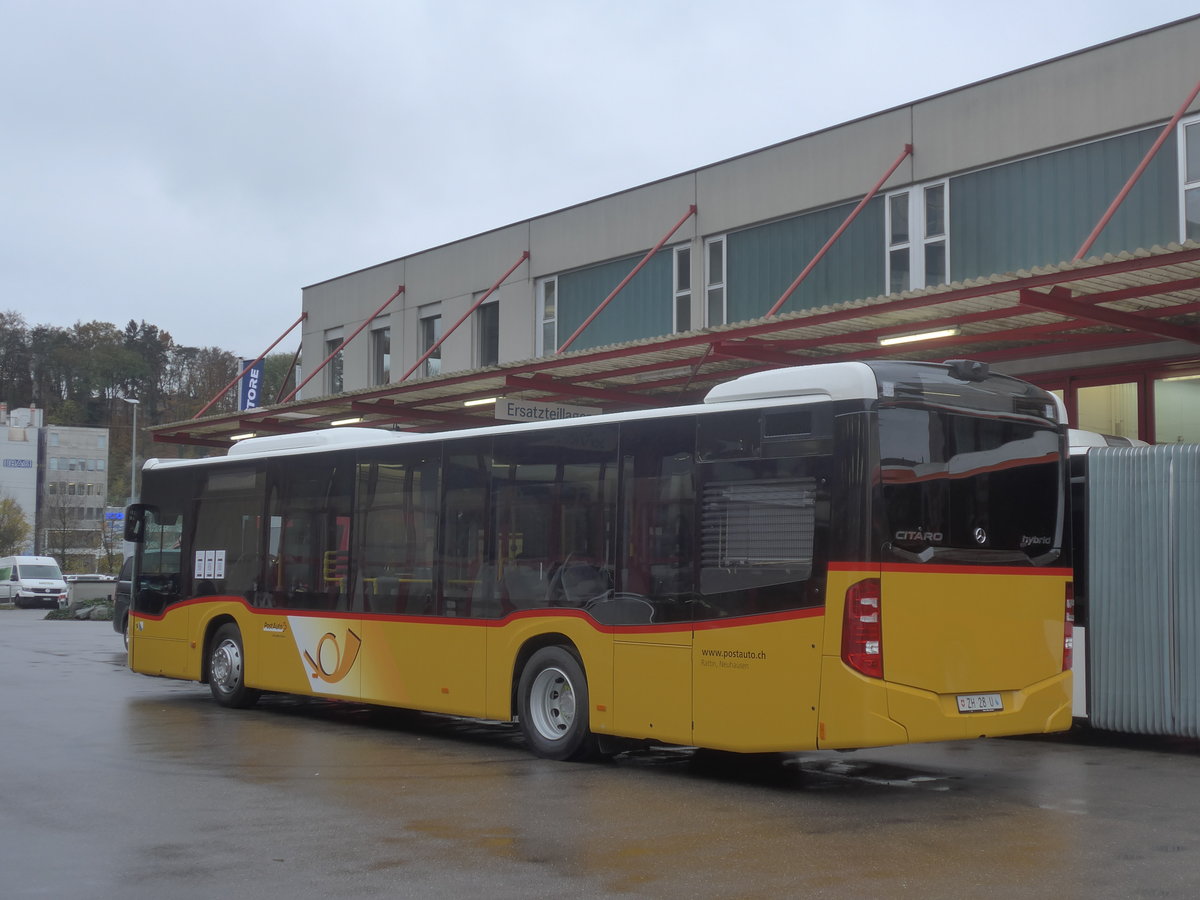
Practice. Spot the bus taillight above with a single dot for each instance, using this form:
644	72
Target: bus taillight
862	632
1069	628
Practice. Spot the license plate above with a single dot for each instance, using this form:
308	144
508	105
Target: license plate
970	703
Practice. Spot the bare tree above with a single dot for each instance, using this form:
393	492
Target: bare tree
14	527
66	531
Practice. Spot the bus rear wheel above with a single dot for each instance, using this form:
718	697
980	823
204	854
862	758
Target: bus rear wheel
227	670
552	706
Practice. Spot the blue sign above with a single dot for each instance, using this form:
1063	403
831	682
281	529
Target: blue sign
251	390
114	516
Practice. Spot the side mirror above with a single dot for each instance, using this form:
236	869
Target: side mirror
135	523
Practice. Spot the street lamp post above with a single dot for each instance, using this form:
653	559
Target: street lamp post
133	491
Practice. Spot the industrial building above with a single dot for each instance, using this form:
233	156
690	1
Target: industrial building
1046	221
58	475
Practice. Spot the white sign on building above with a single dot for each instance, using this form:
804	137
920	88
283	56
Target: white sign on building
530	411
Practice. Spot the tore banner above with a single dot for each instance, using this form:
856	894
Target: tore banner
251	390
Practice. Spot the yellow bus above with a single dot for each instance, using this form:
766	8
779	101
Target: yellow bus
831	556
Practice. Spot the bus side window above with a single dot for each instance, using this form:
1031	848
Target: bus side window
397	515
555	510
228	515
764	525
311	500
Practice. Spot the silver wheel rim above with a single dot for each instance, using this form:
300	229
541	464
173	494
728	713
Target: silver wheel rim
552	704
226	667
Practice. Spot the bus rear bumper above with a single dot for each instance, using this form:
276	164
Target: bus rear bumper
863	712
1038	709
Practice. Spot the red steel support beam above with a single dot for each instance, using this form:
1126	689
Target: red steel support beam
357	332
1137	173
474	306
290	372
812	263
239	375
1065	307
628	278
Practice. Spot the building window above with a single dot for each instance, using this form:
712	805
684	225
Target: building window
683	289
1177	409
715	306
99	465
52	487
1108	409
53	463
333	341
487	330
381	356
431	333
547	311
1189	176
918	237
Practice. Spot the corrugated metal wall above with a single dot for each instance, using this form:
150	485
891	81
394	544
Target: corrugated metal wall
1038	211
764	260
643	309
1021	214
1144	588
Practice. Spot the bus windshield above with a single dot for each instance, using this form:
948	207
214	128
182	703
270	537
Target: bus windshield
956	487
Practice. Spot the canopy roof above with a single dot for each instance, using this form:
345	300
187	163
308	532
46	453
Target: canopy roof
1143	297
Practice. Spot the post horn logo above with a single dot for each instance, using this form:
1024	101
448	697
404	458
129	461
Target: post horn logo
341	662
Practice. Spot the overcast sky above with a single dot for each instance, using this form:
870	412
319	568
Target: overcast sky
195	164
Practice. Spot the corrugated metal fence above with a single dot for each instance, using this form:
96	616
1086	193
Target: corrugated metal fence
1144	589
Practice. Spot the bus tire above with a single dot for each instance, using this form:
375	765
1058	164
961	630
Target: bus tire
227	670
552	705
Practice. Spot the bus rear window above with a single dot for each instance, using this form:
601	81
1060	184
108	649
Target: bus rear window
968	483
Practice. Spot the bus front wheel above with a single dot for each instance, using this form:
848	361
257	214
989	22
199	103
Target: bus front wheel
552	705
227	670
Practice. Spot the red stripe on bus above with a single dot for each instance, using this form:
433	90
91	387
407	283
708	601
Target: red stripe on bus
664	628
935	569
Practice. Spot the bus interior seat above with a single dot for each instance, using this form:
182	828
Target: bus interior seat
523	585
583	582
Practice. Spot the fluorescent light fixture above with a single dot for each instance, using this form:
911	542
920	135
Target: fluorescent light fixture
919	336
482	401
242	437
353	421
1181	378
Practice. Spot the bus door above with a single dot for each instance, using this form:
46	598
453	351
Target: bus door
158	627
764	521
307	636
652	607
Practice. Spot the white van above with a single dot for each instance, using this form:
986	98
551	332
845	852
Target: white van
32	581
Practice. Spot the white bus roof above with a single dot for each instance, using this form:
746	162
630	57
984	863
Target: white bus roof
798	384
826	381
